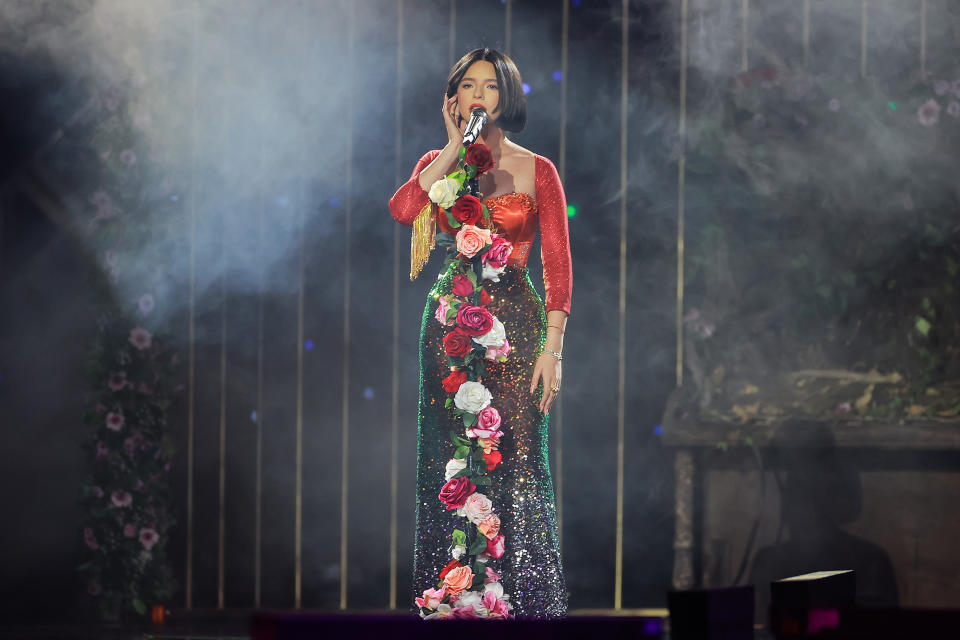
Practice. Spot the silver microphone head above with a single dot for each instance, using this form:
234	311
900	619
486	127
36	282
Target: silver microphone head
478	118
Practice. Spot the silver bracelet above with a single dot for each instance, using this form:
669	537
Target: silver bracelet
553	353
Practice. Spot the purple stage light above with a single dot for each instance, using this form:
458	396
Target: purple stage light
526	88
334	201
253	416
557	76
368	393
308	345
658	430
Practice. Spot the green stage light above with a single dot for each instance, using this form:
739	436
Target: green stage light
892	105
571	211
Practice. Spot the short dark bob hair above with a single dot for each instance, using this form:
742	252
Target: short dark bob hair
513	104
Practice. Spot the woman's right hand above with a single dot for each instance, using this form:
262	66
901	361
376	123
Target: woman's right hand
450	117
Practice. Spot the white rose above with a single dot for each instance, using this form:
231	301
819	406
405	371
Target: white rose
477	508
458	551
468	599
496	587
454	467
492	273
493	338
472	397
444	192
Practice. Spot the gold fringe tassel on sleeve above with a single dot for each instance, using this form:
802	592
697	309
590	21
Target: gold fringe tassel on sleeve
423	240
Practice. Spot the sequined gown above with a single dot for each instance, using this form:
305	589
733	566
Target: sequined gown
531	570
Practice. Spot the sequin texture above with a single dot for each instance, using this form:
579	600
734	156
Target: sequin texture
531	570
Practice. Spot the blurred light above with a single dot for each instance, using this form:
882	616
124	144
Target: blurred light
283	201
526	88
557	76
368	393
892	105
253	416
174	198
308	345
571	211
652	627
658	430
334	201
576	3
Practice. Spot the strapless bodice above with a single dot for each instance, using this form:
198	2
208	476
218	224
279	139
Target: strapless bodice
514	216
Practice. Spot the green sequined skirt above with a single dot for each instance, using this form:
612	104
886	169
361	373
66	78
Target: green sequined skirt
522	492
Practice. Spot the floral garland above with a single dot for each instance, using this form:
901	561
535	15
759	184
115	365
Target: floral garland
128	515
468	588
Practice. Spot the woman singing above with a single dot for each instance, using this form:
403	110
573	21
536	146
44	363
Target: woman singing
490	358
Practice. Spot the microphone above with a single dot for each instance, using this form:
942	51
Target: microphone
478	118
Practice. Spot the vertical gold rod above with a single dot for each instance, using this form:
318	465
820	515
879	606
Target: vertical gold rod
507	26
258	489
681	180
344	462
806	33
564	47
222	486
923	37
621	383
453	29
298	524
744	34
863	38
191	321
395	372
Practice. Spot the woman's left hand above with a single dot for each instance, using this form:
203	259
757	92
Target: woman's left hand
547	370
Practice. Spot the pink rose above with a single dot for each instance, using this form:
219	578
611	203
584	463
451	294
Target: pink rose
140	338
471	239
121	498
499	353
443	305
115	421
432	598
117	381
487	426
496	546
477	508
500	610
462	286
129	530
146	304
499	252
455	492
149	537
89	539
474	321
102	451
98	492
492	576
929	113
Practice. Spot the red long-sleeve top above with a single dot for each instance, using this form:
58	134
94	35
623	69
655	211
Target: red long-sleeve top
516	216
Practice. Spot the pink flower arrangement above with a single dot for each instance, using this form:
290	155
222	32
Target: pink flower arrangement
140	338
149	537
929	113
121	499
115	421
117	381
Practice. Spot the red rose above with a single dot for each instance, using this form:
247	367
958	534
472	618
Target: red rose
474	321
479	155
498	253
457	343
484	298
492	459
462	286
467	210
453	381
456	491
453	564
